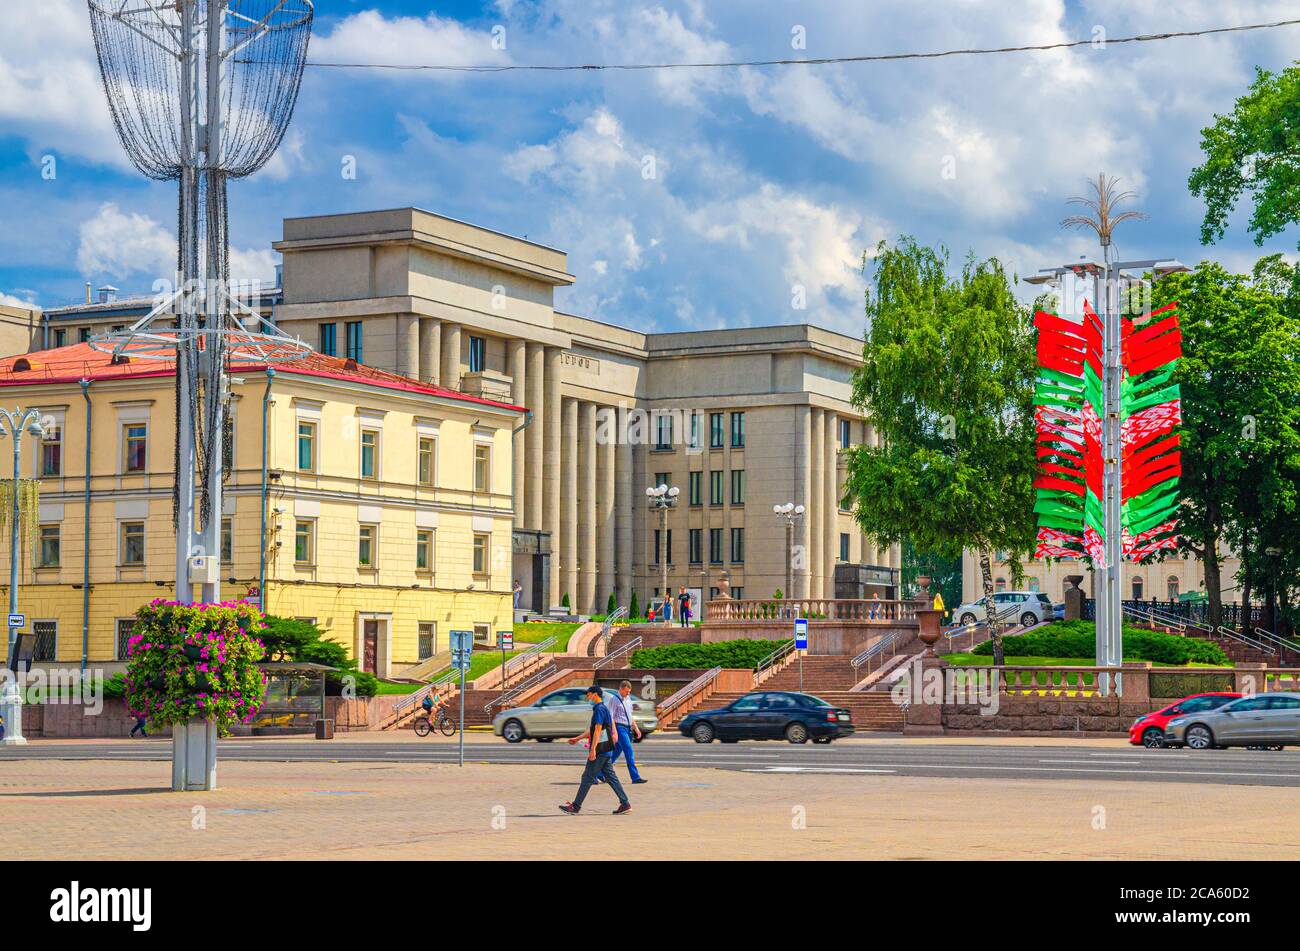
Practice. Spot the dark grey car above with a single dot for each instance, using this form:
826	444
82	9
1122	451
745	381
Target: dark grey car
1264	720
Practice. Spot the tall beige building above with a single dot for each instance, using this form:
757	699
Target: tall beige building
738	420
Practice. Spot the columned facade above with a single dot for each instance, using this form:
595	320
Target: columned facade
569	540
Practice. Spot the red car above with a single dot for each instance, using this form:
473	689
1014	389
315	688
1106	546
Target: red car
1149	730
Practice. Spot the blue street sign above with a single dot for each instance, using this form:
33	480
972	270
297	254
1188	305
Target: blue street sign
461	640
801	633
17	620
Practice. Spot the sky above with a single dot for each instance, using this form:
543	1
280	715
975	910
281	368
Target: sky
686	200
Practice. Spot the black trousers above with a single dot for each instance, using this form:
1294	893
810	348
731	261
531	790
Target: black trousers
603	767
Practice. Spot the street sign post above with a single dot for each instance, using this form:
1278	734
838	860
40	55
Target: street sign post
462	649
17	620
505	641
801	644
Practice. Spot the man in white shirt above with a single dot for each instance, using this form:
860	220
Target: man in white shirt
620	707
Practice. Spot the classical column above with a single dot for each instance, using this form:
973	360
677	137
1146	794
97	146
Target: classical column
830	505
551	456
451	356
408	346
586	506
430	350
605	482
817	501
534	438
516	360
803	496
568	540
624	516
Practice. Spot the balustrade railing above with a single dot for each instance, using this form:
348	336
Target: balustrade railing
814	609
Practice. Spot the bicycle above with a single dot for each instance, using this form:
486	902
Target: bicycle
445	725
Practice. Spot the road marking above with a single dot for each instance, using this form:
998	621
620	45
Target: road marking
815	769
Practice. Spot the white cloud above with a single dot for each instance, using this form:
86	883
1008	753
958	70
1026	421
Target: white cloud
11	300
370	37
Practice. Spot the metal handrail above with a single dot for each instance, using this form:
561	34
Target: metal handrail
627	648
1246	639
419	695
771	659
873	650
519	688
607	626
690	690
1280	641
523	657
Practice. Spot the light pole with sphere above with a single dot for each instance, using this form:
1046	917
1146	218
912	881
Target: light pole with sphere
662	498
791	513
12	424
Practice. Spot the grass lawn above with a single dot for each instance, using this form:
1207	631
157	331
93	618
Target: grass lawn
534	632
388	688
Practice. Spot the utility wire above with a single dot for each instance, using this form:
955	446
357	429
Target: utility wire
820	61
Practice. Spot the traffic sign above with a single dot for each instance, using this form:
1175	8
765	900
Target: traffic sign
18	620
506	640
461	640
801	633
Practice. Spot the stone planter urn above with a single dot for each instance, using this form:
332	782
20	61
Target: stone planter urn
194	756
929	620
1074	598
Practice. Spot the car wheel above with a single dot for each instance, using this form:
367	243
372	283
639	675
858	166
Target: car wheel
1154	738
702	733
1199	737
796	733
1028	620
513	731
968	618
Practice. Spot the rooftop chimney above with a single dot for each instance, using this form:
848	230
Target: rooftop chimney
88	292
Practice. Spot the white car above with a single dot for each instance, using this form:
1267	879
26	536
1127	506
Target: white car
1013	607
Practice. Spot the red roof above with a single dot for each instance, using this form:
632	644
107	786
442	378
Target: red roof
80	361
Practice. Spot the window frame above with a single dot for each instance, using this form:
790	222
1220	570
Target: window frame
127	440
482	542
738	431
737	535
58	545
426	544
329	348
310	440
374	453
56	444
485	449
368	532
310	536
122	538
422	456
717	431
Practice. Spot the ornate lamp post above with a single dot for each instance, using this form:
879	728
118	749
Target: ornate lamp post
12	423
791	513
662	498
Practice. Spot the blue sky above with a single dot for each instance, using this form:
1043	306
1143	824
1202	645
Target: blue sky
686	200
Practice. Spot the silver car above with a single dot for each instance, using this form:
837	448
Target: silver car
1013	607
1266	720
561	714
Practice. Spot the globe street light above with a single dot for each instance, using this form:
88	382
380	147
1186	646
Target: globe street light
791	513
12	423
663	497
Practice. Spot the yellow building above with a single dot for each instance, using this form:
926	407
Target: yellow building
387	503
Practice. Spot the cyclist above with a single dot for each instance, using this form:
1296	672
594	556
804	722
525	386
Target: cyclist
431	706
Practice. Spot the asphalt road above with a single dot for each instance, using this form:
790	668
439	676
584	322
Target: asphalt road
859	755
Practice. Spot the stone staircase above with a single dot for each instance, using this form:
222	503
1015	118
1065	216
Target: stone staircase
653	635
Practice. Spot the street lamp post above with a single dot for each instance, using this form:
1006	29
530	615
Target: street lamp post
791	513
12	424
662	498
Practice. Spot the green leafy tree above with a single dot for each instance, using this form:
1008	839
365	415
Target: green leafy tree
948	382
634	607
290	639
1254	149
611	605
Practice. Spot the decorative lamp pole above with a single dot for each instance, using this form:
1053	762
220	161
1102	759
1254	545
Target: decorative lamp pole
662	498
12	423
791	513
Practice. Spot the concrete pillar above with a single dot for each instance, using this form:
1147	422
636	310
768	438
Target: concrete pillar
516	366
817	501
551	455
803	496
586	506
430	350
450	377
534	440
408	346
624	514
830	504
568	540
605	488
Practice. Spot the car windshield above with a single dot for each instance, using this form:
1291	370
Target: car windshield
812	701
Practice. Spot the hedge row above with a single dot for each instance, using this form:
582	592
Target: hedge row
1079	639
732	654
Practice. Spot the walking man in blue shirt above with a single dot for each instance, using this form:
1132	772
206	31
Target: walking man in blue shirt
621	708
602	742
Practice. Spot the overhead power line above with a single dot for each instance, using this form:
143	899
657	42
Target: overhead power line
817	61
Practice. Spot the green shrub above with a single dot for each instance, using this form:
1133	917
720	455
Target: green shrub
1079	639
288	639
634	607
738	655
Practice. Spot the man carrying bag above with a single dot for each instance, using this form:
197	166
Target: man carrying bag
603	740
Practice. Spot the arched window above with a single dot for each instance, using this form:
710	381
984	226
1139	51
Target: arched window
1137	589
1172	586
1033	584
1000	584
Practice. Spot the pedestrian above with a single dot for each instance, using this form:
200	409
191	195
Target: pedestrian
139	725
684	607
621	707
2	726
518	590
602	741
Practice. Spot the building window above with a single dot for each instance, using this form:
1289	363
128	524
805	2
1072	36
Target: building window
83	334
845	433
715	430
306	446
695	487
1137	589
737	486
366	546
477	354
1000	584
52	451
737	546
715	546
369	453
47	639
694	545
428	450
132	544
355	351
227	542
424	549
695	430
1034	584
715	487
304	542
329	339
738	592
135	444
844	546
482	541
125	625
1171	586
738	430
428	639
664	431
482	468
47	547
663	478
